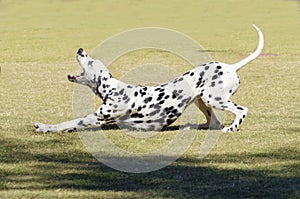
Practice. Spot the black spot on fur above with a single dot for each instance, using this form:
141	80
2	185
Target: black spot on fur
162	101
133	105
170	121
214	77
137	115
154	113
198	84
147	100
218	98
240	108
169	108
125	97
171	116
174	111
160	96
157	106
121	92
240	122
106	116
142	91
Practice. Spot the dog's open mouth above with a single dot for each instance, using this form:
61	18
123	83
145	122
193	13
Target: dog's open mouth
75	78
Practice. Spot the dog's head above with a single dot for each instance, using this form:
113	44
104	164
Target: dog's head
94	71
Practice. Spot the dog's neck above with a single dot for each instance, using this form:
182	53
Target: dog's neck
107	86
101	85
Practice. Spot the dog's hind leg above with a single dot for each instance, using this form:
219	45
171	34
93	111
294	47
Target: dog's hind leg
212	120
240	112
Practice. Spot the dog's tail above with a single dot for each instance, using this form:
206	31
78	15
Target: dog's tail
255	54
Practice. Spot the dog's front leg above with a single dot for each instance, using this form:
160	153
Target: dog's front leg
90	120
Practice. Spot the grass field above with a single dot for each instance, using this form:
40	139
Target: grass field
38	41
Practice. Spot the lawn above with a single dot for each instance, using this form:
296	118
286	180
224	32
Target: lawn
38	41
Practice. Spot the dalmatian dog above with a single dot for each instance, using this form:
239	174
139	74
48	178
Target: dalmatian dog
154	107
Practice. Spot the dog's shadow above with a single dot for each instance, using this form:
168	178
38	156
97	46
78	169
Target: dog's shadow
108	127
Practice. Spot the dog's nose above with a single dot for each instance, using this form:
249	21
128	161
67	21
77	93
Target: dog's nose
80	50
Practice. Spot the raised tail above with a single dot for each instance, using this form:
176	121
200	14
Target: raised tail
255	54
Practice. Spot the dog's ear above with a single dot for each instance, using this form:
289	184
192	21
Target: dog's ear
80	50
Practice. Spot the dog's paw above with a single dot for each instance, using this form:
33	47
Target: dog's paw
229	130
43	128
226	130
39	127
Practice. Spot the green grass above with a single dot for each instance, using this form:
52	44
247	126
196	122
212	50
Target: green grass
38	43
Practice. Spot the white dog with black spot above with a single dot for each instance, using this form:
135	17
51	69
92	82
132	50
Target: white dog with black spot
152	108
